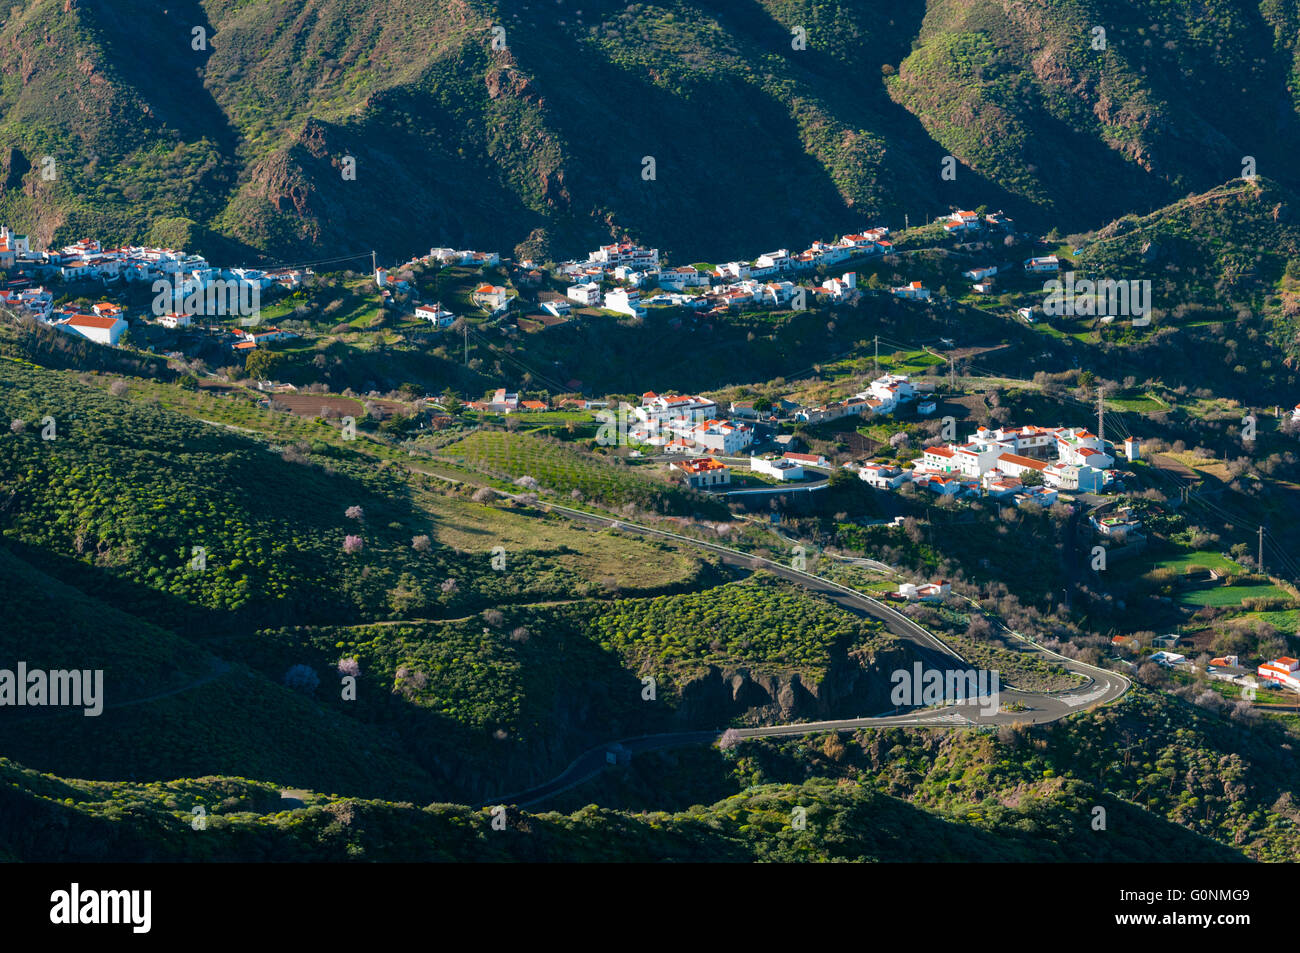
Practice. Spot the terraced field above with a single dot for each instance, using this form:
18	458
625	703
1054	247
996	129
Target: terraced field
574	473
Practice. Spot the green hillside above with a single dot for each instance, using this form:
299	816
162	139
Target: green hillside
878	796
457	141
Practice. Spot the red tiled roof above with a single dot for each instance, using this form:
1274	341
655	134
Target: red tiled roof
1023	461
703	465
93	321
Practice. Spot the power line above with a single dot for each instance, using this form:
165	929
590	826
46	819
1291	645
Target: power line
323	261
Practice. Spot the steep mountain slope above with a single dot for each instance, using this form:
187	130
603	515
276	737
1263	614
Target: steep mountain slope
1103	107
233	135
1210	791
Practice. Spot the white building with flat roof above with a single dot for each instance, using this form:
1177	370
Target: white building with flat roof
777	468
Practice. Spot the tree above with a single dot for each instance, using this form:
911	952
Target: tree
260	364
420	543
1032	478
186	382
301	678
841	477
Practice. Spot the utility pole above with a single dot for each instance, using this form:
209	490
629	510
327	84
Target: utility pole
1261	548
877	355
1101	418
464	326
952	375
905	225
374	262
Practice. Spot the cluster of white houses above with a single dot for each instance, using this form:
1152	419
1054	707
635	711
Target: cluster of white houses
687	424
728	286
103	325
88	260
998	463
883	396
710	472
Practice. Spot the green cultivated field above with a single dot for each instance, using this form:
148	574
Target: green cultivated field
1233	595
1204	558
563	469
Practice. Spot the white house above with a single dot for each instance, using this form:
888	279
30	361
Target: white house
914	291
838	288
979	274
1074	478
720	436
676	279
1121	524
491	298
250	276
883	476
704	472
625	253
1042	495
807	459
891	390
930	591
102	330
175	321
1013	464
586	294
664	409
625	301
503	400
974	459
779	468
1284	671
1169	659
778	260
961	221
1047	265
434	314
1076	445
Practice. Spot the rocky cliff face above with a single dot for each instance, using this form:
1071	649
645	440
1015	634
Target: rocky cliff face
853	687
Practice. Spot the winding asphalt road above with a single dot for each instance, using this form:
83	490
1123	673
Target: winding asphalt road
1101	686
